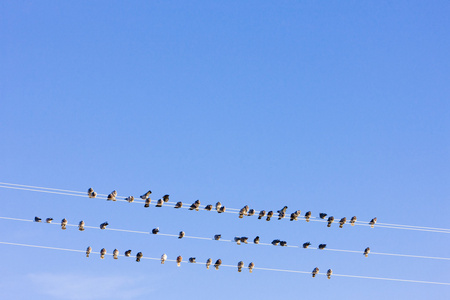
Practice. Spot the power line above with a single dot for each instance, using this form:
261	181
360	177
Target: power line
231	266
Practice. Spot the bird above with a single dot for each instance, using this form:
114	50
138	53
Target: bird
250	267
329	272
275	242
261	214
243	211
155	230
217	237
146	195
218	206
179	204
295	215
353	220
315	272
128	253
179	259
322	246
88	251
81	226
283	244
342	222
147	202
244	239
181	235
306	245
102	253
251	212
222	209
372	222
330	220
322	215
208	263
217	264
269	215
63	224
281	215
208	207
165	198
112	196
159	203
366	251
192	260
256	240
91	193
240	265
195	205
283	210
307	216
129	199
139	256
37	219
103	225
49	220
115	253
237	240
163	258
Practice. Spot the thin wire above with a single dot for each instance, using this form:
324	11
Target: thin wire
231	266
229	210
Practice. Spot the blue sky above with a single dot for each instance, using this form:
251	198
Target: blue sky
329	107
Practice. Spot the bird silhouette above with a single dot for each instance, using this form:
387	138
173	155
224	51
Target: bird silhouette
244	240
37	219
307	216
112	196
163	258
217	237
115	253
195	205
217	264
192	260
222	209
306	245
372	222
155	230
261	214
179	260
322	246
283	210
88	251
146	195
81	226
102	253
237	240
353	220
330	220
315	272
181	235
275	242
179	204
243	212
208	207
63	224
283	244
269	215
329	272
128	253
218	206
240	266
49	220
342	222
103	225
250	267
129	199
366	252
256	240
159	203
165	198
208	263
322	215
251	212
139	256
147	202
91	193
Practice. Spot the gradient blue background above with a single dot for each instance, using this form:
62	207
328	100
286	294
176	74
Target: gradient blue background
337	107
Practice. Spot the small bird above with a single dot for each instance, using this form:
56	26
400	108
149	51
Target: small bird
139	256
251	212
37	219
342	222
283	244
322	215
163	258
353	220
281	215
159	203
155	230
63	224
244	240
218	206
283	210
147	202
243	212
195	205
115	253
250	267
275	242
179	204
103	225
208	263
237	240
366	251
165	198
181	235
306	245
261	214
179	259
81	226
128	253
192	260
88	251
49	220
102	253
240	265
307	216
315	272
129	199
217	237
91	193
329	272
112	196
146	195
330	220
222	209
217	264
322	246
208	207
372	222
295	215
256	240
269	215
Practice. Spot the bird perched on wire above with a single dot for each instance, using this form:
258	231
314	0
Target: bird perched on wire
195	205
179	260
49	220
112	196
222	209
103	225
81	226
372	222
165	198
88	251
244	240
237	240
218	206
353	220
306	245
155	230
63	224
179	204
208	263
147	202
146	195
283	210
217	237
315	272
128	253
192	260
37	219
283	244
217	264
102	253
366	251
251	212
342	222
269	215
295	215
275	242
163	258
159	203
243	212
115	253
139	256
322	215
261	214
250	267
256	240
330	220
307	216
208	207
181	235
240	266
129	199
91	193
329	272
322	246
90	190
281	215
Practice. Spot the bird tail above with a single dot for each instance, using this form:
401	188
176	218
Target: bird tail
341	225
63	227
217	267
87	254
268	219
366	255
178	264
162	262
115	257
146	205
259	217
240	270
241	216
138	259
250	270
329	225
329	277
313	275
307	219
102	256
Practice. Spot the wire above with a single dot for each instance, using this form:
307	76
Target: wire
229	210
231	266
225	240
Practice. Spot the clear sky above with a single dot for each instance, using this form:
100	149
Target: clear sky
329	106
